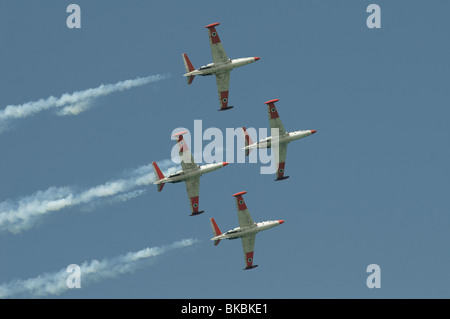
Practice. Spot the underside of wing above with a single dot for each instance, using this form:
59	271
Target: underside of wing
193	191
280	159
223	86
186	158
274	118
248	246
245	220
218	53
217	50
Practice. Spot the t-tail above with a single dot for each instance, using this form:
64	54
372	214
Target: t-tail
248	141
216	231
189	68
159	176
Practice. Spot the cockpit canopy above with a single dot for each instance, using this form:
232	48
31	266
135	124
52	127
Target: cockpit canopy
206	67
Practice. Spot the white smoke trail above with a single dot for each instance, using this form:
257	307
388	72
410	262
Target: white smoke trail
112	200
23	214
56	283
74	103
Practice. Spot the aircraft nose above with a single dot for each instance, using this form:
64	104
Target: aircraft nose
224	164
313	131
256	58
281	221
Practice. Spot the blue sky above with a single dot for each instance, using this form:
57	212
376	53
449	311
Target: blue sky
371	187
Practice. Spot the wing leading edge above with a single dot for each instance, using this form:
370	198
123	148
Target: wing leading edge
274	118
187	160
192	184
248	246
277	127
217	50
223	87
193	191
219	56
245	220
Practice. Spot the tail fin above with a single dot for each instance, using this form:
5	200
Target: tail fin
190	78
159	175
248	141
189	68
216	231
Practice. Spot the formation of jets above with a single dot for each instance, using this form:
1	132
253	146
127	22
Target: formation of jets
191	172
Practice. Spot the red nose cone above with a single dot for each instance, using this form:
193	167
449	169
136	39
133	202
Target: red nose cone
257	58
313	131
224	164
281	221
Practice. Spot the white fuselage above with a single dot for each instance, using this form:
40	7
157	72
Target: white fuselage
282	139
250	230
183	175
213	68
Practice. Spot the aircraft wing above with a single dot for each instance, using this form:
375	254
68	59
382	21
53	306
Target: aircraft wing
223	85
193	191
274	119
245	220
187	160
248	246
281	160
217	50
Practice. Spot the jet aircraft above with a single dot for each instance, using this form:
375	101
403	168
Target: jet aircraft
280	134
247	230
190	174
220	67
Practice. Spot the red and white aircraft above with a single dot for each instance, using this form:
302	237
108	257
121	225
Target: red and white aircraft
221	66
190	174
284	138
247	230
